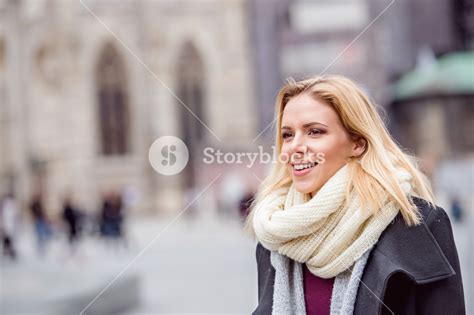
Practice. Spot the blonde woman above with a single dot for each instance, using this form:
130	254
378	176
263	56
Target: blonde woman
345	222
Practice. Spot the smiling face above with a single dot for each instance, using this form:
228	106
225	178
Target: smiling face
311	129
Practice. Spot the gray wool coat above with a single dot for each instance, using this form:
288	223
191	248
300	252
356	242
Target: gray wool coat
411	270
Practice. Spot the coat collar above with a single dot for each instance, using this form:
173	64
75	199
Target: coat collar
413	251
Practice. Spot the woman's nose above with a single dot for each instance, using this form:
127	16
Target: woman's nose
298	145
301	148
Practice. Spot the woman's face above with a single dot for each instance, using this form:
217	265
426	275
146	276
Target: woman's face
315	142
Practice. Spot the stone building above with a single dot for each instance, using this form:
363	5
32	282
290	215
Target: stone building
87	86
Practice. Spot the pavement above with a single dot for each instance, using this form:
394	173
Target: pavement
201	266
205	266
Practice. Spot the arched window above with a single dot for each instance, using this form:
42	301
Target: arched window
113	102
191	91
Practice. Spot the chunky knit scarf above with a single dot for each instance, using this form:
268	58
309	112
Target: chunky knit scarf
327	232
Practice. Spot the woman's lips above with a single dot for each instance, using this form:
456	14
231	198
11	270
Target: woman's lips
304	171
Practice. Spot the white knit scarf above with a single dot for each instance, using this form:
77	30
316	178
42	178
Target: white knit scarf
327	232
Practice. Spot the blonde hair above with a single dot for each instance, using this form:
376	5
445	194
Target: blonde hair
371	174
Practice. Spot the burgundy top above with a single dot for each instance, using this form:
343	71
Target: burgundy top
317	293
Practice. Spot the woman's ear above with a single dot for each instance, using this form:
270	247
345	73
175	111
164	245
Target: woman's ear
360	144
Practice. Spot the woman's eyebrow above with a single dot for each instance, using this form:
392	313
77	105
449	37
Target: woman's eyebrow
313	123
306	125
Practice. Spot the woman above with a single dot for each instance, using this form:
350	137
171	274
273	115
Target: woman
345	222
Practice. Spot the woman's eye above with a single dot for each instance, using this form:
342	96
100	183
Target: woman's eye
286	135
315	132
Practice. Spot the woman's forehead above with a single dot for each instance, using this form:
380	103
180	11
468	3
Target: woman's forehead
303	109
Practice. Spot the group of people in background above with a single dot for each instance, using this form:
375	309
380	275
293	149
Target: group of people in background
72	223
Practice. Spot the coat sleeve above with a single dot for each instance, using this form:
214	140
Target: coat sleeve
436	296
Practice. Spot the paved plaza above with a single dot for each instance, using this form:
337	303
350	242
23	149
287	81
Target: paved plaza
201	267
206	266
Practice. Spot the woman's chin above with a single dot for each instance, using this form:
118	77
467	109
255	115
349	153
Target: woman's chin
303	188
307	185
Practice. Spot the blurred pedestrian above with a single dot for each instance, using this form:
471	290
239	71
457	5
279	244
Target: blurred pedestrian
41	223
71	217
456	209
111	219
9	216
190	202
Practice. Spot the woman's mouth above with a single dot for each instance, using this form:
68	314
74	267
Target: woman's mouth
301	169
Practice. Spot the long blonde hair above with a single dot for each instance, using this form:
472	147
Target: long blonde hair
371	174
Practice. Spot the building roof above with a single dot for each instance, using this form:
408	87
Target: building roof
452	74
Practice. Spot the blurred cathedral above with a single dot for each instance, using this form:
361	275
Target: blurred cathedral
87	86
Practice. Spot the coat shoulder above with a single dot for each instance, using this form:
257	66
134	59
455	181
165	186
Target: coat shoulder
425	208
433	216
413	269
